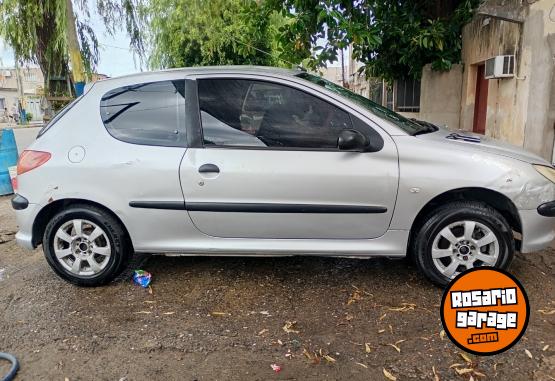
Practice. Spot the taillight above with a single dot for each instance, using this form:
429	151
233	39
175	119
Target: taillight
29	160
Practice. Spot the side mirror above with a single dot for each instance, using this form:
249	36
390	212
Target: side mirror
352	140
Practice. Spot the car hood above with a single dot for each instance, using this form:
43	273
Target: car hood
470	141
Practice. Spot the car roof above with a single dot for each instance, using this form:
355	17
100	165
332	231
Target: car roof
236	69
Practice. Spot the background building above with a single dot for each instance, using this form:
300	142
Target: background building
24	85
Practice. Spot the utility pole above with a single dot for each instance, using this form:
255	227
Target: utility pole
77	66
342	68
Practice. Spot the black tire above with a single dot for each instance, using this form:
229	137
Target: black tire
453	212
120	245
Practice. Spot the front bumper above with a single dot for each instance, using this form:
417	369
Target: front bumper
538	230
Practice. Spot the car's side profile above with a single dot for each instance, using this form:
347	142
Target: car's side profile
261	162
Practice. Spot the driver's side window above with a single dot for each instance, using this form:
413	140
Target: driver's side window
240	112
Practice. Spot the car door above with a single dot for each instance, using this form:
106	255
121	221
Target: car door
269	167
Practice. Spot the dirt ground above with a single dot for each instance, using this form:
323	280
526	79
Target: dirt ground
223	319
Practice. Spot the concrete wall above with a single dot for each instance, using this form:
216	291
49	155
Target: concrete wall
440	96
520	109
538	41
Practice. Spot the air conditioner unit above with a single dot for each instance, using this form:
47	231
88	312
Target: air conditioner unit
500	67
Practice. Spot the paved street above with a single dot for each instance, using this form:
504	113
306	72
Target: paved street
223	318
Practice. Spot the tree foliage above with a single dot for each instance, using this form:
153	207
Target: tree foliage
37	32
211	32
393	39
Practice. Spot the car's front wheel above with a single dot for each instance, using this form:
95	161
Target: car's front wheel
459	236
86	246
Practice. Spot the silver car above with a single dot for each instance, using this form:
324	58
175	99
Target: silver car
257	161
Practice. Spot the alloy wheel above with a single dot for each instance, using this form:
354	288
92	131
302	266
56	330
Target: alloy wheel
82	247
464	245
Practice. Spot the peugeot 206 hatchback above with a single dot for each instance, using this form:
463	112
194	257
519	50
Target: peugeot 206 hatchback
269	162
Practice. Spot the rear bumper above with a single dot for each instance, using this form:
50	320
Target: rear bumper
25	220
538	230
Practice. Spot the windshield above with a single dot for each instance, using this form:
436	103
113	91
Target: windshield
405	124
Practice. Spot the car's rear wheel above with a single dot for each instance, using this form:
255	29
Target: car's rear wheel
86	246
460	236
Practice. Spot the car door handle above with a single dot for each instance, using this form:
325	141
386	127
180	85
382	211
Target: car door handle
209	168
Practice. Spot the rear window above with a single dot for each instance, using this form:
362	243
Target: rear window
147	113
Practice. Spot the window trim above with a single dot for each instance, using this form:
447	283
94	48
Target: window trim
280	82
183	140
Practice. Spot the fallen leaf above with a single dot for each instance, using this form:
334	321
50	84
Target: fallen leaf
280	342
528	353
329	358
289	325
362	365
381	331
545	348
399	341
143	312
349	317
216	313
168	313
442	334
262	332
436	377
391	329
383	316
455	366
312	357
479	374
463	371
396	347
354	297
404	307
547	312
388	375
465	357
367	348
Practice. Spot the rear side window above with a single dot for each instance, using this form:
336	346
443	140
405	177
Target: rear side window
147	113
58	116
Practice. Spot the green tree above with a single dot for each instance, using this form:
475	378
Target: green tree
211	32
37	32
393	39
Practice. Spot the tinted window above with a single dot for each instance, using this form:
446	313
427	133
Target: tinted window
148	113
256	113
405	124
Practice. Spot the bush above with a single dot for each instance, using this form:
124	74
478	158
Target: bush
28	117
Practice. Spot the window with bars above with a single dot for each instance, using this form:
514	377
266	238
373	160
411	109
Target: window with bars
407	95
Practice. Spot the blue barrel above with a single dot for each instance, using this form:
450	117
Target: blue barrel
8	158
79	88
